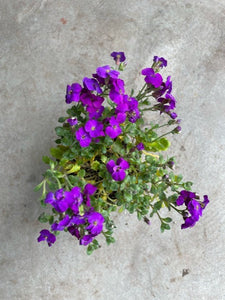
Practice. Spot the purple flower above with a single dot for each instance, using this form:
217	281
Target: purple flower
46	235
86	239
140	146
118	57
95	220
166	87
162	62
92	85
57	200
73	230
73	93
74	198
89	189
188	222
133	113
117	170
113	130
205	202
94	128
106	71
117	90
61	225
83	137
72	121
97	113
194	208
92	102
152	78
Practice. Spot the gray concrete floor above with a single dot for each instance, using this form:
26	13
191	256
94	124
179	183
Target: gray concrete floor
44	46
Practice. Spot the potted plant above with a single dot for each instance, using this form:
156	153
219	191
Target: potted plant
106	159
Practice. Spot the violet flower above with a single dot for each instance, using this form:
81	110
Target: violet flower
113	130
73	93
46	235
83	137
117	170
106	71
118	57
155	79
162	62
94	128
57	200
72	121
95	220
92	85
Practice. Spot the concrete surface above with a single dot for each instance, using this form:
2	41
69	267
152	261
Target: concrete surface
44	46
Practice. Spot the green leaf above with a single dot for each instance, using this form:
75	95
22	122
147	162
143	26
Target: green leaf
38	187
159	145
90	249
43	218
57	152
75	168
46	159
158	205
95	165
81	173
128	196
103	158
62	119
59	131
167	220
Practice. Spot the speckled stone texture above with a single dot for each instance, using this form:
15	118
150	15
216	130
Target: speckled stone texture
44	46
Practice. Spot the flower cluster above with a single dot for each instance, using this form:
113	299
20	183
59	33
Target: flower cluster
90	97
193	209
84	226
106	159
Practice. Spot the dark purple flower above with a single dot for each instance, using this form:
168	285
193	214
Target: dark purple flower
74	231
61	225
94	128
140	146
165	87
73	92
95	220
83	137
117	170
57	200
206	201
46	235
152	78
162	62
118	57
194	208
113	130
72	121
92	85
106	71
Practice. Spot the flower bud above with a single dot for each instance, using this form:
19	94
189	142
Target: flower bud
177	130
